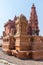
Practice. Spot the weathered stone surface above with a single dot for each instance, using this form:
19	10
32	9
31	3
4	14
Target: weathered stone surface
22	39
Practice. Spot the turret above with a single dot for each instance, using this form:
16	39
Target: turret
34	21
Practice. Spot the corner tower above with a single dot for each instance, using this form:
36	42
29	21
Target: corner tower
34	21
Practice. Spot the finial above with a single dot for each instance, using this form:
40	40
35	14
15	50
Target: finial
15	18
33	6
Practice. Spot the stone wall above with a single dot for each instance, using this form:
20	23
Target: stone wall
37	47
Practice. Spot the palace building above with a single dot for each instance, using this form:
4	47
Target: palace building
21	37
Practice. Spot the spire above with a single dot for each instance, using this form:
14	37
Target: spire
33	15
15	18
34	20
33	6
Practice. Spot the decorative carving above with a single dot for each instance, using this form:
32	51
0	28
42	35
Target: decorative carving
22	39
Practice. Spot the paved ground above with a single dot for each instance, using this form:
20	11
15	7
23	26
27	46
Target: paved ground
18	61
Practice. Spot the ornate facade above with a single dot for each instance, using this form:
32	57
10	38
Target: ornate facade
21	37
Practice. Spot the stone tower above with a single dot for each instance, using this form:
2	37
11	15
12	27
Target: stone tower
21	33
33	21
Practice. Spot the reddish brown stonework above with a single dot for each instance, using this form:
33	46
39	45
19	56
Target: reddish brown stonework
33	22
21	37
9	28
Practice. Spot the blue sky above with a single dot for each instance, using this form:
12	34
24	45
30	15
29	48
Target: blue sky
10	8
